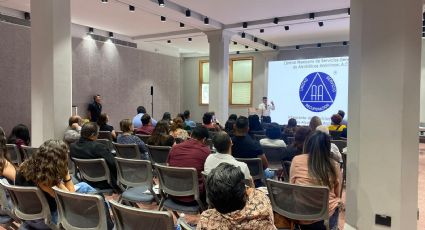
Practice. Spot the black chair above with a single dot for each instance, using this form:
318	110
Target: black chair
158	154
143	137
255	166
274	156
258	137
14	154
28	151
94	170
105	135
129	151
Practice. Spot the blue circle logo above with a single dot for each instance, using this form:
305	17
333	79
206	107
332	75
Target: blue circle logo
317	92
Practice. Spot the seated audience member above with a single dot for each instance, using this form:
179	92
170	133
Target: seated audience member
7	169
166	117
342	114
88	148
315	167
228	127
187	120
147	127
273	135
103	126
344	133
235	206
245	147
290	127
215	121
19	136
207	122
336	123
127	137
296	148
137	119
177	130
335	154
223	145
46	168
191	153
185	126
254	123
72	132
160	135
314	122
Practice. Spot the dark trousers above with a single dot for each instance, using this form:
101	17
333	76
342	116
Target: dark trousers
266	119
333	221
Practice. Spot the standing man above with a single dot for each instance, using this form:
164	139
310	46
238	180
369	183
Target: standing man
95	108
265	110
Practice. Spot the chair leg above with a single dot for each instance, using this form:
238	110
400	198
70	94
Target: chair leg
161	203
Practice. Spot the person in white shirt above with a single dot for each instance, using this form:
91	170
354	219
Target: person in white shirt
265	110
335	154
273	135
223	145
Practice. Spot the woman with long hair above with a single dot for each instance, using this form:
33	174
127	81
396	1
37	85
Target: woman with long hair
19	136
314	122
177	129
160	135
102	121
7	169
316	167
127	137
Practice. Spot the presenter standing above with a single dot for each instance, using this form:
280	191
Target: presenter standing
95	108
265	110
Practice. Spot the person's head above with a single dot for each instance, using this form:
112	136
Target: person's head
314	122
323	129
233	117
341	113
146	119
254	123
74	119
300	135
181	115
48	165
166	116
336	119
226	190
177	124
200	134
265	100
161	128
97	98
241	126
141	109
222	142
186	114
90	131
292	123
320	165
126	126
273	131
22	132
103	119
207	118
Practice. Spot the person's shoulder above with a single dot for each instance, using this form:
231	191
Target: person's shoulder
300	158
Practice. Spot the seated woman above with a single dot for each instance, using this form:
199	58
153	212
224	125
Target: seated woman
254	123
315	167
127	137
336	123
7	169
234	205
161	136
296	148
290	127
228	127
19	136
177	130
46	168
273	135
103	126
166	117
314	122
207	122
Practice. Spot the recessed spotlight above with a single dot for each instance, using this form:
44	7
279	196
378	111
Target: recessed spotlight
246	47
261	30
297	47
243	35
206	21
276	20
256	50
320	24
274	47
319	45
344	43
163	19
349	11
104	1
311	16
169	41
255	39
189	39
181	24
27	16
161	3
286	27
235	43
266	44
237	52
188	13
91	30
131	8
111	34
245	25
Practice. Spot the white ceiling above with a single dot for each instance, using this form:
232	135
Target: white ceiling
145	26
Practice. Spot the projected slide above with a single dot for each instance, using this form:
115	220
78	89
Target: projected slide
305	88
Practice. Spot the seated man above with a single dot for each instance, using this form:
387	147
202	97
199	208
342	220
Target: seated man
72	132
235	206
245	147
223	145
87	148
187	120
191	153
137	119
147	128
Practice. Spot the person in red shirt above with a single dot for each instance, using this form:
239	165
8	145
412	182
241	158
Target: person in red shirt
191	154
147	127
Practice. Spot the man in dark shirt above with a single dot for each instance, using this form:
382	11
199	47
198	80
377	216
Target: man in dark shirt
191	153
87	148
95	108
147	128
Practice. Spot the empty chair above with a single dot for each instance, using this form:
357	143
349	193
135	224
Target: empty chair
28	151
274	156
105	135
94	170
299	202
255	166
79	211
29	203
158	154
129	151
130	218
135	179
143	137
14	153
341	144
179	182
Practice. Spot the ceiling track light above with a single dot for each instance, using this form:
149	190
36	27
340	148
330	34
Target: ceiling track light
206	21
131	8
237	52
423	23
246	47
27	16
255	39
161	3
311	16
91	30
111	34
245	25
181	24
243	35
235	43
189	39
104	1
297	47
266	44
349	11
261	30
344	43
276	20
163	19
319	45
188	13
256	50
274	47
320	24
286	28
169	41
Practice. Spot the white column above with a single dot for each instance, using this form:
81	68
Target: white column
51	72
384	82
268	57
219	73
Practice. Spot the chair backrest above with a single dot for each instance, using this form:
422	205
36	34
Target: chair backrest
130	218
133	173
105	135
93	170
107	143
158	154
28	151
6	207
274	154
255	166
290	140
130	151
258	137
178	181
14	154
79	211
144	137
341	144
29	203
299	202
